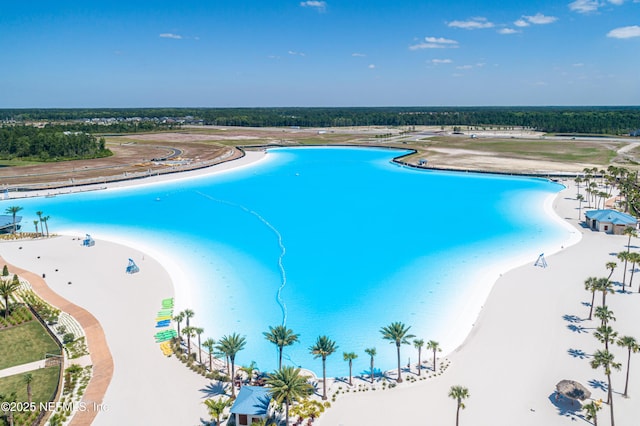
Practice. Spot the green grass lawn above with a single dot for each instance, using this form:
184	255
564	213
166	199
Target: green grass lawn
43	387
25	343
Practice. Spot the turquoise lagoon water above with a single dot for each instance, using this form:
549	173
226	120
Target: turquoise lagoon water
333	241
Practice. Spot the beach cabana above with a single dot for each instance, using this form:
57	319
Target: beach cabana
88	241
132	268
572	390
609	221
251	405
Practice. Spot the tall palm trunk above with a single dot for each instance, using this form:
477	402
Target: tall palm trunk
593	299
372	372
626	382
458	414
286	412
419	361
280	357
324	378
399	371
233	377
434	358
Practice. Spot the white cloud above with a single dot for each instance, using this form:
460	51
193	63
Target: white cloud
440	40
464	67
171	35
472	24
584	6
578	65
540	19
372	66
618	2
521	23
319	5
434	43
625	32
507	31
358	55
441	61
293	53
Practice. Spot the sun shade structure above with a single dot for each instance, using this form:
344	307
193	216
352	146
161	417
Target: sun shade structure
132	268
609	221
6	223
252	404
573	390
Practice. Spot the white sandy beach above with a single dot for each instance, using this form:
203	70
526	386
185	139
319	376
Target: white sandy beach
516	352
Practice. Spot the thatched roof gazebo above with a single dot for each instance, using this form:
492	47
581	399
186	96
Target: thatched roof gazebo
572	390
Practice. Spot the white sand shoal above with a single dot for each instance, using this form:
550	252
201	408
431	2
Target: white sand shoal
531	334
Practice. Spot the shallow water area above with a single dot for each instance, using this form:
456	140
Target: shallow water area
335	241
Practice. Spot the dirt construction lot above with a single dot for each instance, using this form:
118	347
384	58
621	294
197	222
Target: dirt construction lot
517	151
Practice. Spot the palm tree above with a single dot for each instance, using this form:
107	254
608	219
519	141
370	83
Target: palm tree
634	258
199	331
281	336
40	213
7	288
605	286
591	284
178	319
35	223
623	256
349	356
591	410
459	393
630	232
216	407
322	349
418	344
210	345
372	353
435	347
606	335
611	266
580	199
13	210
230	346
605	359
604	314
188	313
28	379
46	223
632	346
288	385
397	333
189	332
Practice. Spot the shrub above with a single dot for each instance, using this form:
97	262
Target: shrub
5	271
61	329
68	338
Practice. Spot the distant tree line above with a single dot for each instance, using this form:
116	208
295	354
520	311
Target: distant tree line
591	120
49	144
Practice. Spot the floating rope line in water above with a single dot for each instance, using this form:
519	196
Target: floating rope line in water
283	250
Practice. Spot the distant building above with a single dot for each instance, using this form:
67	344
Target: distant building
609	221
251	405
635	133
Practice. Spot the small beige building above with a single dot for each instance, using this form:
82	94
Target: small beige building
609	221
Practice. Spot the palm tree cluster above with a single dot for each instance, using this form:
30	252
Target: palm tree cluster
600	185
42	220
605	334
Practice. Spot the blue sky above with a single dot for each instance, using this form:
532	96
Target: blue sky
230	53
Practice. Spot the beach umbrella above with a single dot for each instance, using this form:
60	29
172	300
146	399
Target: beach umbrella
572	389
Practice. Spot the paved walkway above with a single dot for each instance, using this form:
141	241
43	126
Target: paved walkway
23	368
100	355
